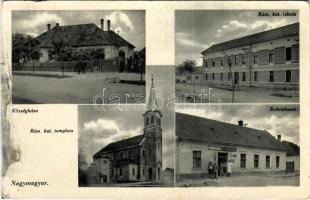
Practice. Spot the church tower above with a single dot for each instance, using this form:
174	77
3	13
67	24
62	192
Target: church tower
153	138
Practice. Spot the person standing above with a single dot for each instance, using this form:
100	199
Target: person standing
228	169
221	169
210	165
79	66
215	170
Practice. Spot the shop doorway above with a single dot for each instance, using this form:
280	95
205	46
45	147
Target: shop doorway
222	158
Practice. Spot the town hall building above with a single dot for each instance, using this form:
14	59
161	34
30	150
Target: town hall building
267	59
201	140
86	36
135	159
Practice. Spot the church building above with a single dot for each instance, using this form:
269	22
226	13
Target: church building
201	140
135	159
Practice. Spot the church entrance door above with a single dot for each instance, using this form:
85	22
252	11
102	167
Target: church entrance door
150	174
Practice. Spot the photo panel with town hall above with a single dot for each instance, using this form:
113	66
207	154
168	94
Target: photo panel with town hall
73	57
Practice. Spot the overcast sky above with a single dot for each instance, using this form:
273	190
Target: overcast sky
130	24
99	128
255	116
198	30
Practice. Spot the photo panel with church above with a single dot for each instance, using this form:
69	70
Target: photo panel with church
237	145
243	56
71	56
129	145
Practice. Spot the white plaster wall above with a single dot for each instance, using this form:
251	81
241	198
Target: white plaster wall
185	158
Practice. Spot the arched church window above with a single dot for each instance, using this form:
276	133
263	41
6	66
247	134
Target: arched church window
147	121
158	121
152	120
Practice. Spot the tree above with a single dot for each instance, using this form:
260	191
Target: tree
33	49
98	53
82	165
19	48
25	48
139	62
61	52
187	68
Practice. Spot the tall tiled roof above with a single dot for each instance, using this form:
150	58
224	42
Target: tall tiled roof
122	144
292	149
200	129
284	31
81	35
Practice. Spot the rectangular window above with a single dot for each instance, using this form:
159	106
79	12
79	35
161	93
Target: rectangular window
255	57
212	76
206	76
242	160
206	63
267	162
133	171
112	172
213	63
243	58
277	161
120	172
129	154
228	76
256	161
255	76
121	155
288	76
288	53
196	159
270	56
271	76
221	61
221	76
236	59
243	76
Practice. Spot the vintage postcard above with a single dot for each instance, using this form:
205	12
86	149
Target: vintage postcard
155	100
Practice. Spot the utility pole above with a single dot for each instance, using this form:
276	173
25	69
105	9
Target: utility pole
232	83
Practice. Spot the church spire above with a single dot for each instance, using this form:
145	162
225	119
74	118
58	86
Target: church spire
152	103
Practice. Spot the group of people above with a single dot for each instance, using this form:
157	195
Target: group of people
81	67
215	170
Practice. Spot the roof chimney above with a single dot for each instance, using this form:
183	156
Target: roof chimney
109	23
102	24
57	24
48	27
279	138
240	123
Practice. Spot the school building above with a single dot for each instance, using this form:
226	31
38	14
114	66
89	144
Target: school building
266	59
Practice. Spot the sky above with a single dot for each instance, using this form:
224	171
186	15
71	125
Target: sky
198	30
130	24
281	123
97	128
